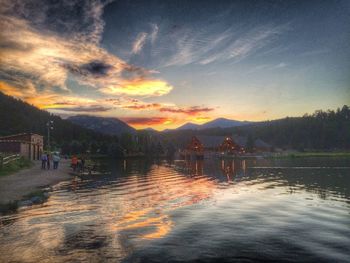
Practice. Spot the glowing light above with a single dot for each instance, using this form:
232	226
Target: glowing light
139	87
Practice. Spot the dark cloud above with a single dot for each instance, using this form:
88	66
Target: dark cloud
194	110
65	17
145	120
96	68
93	108
93	68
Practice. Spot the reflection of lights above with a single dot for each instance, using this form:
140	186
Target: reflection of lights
149	205
162	225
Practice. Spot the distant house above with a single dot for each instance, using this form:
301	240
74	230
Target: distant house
224	144
235	143
195	145
29	145
229	146
206	145
194	150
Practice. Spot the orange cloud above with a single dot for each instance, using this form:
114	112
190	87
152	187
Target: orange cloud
148	106
194	110
45	99
134	104
47	59
139	87
147	121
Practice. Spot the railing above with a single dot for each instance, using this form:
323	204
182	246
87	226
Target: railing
8	159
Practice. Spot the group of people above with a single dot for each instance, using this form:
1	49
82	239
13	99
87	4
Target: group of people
46	159
78	164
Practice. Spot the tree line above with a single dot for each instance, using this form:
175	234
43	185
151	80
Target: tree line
322	130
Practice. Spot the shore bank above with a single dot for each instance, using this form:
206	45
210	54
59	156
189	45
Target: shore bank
24	183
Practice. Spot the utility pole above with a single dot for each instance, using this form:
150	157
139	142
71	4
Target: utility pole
49	126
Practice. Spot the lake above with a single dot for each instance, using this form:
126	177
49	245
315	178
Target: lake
282	210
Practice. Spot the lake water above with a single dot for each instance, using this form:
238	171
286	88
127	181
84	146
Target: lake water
295	210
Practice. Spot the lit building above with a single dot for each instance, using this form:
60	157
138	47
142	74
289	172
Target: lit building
28	145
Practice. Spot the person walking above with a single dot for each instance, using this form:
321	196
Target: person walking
43	160
48	161
56	159
74	162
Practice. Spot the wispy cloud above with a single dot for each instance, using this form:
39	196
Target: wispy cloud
139	42
44	99
137	105
92	108
154	33
43	52
143	37
215	44
194	110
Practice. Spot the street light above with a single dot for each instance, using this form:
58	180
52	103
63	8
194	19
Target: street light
49	126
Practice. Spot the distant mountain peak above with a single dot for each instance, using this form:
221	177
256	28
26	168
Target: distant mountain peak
217	123
106	125
188	126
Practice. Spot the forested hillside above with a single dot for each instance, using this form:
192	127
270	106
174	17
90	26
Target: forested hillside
17	116
323	130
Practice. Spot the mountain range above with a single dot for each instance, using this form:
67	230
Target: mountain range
217	123
114	126
322	130
110	126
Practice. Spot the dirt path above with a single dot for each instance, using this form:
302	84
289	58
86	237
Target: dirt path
16	186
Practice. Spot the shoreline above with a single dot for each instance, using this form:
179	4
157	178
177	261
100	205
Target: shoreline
27	187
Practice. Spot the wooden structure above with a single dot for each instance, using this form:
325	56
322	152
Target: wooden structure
194	150
228	146
195	145
29	145
8	159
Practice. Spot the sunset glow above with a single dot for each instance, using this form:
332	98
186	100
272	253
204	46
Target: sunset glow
164	73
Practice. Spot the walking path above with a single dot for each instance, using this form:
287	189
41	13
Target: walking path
14	187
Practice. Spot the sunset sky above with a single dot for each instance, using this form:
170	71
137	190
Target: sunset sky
164	63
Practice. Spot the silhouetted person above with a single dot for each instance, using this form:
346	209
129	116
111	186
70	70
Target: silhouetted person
56	159
74	162
43	160
48	161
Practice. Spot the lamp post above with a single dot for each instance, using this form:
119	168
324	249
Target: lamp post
49	126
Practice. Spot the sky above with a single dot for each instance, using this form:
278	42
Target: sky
163	63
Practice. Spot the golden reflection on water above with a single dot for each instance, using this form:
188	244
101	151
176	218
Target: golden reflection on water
133	206
100	218
170	190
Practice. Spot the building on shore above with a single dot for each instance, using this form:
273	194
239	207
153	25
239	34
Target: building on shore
28	145
221	146
194	150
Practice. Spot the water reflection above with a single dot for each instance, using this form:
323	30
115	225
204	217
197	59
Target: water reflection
141	209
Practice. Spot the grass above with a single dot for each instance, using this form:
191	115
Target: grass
314	154
15	166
